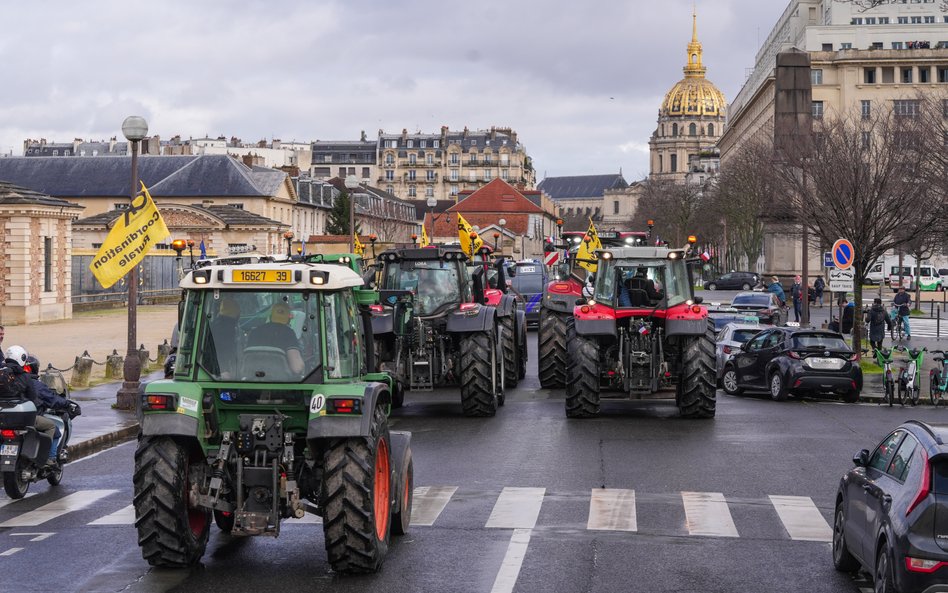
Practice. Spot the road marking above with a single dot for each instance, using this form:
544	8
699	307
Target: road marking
4	503
612	509
706	513
11	551
81	459
513	560
38	537
428	502
516	508
801	518
67	504
124	516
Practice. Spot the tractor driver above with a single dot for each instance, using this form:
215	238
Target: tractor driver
278	334
639	290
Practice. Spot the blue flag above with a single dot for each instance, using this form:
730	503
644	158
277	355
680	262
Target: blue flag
203	250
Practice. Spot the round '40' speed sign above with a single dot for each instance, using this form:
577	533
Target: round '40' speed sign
843	254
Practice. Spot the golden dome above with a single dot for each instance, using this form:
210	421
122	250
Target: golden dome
694	95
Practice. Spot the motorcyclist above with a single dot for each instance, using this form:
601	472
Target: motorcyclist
15	359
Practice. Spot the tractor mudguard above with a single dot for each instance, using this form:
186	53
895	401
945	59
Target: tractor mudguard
169	423
383	323
375	394
595	327
686	327
506	306
401	456
464	322
561	303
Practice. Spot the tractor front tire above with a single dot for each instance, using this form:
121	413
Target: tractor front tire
478	372
170	531
357	499
508	342
696	385
551	349
582	377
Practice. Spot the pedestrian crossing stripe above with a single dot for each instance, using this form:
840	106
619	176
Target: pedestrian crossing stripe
707	514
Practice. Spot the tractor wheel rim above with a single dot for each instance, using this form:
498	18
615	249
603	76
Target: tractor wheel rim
197	518
382	485
730	381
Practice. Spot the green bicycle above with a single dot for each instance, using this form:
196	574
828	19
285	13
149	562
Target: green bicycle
938	379
884	360
910	380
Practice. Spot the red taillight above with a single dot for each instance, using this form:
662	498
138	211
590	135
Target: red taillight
377	308
924	485
160	401
560	287
8	433
793	354
585	309
28	368
798	382
345	406
923	565
696	308
727	349
853	358
469	307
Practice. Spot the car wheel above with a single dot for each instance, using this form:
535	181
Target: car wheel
778	387
729	381
843	560
883	581
745	286
712	286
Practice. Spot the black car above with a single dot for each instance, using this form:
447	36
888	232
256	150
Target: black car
765	305
791	361
733	281
527	282
891	512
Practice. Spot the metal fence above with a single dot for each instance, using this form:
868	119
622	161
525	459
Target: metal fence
158	277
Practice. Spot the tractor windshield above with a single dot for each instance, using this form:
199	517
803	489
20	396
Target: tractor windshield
252	336
435	284
643	284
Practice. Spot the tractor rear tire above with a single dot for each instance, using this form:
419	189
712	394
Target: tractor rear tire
357	499
551	349
582	376
508	341
170	532
696	385
522	344
478	369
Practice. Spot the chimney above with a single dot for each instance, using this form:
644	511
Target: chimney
444	134
404	134
247	159
513	137
493	133
465	132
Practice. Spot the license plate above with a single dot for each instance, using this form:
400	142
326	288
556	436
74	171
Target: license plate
527	269
830	364
607	235
265	276
9	450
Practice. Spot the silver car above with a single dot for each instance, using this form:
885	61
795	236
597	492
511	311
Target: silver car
730	339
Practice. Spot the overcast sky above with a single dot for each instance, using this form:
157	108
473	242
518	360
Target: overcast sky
580	82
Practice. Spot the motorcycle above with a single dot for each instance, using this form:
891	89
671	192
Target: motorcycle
24	452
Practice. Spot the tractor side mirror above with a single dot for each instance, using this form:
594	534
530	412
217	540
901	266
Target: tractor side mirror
478	278
861	459
368	279
698	300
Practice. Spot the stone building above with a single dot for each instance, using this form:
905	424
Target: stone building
35	266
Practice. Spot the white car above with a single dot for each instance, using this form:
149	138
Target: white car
729	341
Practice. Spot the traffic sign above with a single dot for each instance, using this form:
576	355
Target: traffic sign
551	257
842	280
843	254
828	260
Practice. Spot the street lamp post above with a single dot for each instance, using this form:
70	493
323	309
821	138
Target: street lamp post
135	129
351	184
288	235
502	222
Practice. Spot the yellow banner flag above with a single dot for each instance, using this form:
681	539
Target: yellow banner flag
464	234
357	245
587	249
425	241
134	234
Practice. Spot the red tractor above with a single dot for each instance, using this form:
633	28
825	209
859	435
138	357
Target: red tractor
643	331
568	279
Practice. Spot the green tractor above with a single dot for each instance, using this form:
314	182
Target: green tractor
272	412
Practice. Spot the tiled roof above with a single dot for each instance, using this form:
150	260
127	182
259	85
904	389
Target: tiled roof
228	215
496	196
446	225
581	186
14	194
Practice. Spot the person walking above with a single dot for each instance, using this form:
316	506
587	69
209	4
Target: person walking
878	321
904	302
796	293
819	286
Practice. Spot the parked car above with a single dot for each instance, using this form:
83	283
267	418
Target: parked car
721	315
891	512
730	339
765	305
528	278
733	281
792	361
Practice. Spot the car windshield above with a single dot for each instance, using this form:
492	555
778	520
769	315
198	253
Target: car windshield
434	283
819	341
743	335
756	300
528	283
251	336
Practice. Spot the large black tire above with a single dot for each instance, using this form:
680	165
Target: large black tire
843	560
551	349
582	376
508	342
522	343
170	533
696	385
14	484
478	363
401	516
357	499
398	394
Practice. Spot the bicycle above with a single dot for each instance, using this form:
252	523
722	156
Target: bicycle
897	330
909	376
884	360
938	379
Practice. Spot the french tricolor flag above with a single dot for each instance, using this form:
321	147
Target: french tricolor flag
705	256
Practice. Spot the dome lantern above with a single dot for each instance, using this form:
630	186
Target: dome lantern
694	95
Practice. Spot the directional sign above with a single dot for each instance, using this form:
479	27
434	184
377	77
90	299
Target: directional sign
843	254
828	260
842	280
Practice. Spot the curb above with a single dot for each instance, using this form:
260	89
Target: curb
102	442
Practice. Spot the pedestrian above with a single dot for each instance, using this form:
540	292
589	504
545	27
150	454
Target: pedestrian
796	293
819	286
878	321
776	289
904	302
2	331
848	316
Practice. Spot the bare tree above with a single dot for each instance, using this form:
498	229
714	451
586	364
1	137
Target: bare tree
678	209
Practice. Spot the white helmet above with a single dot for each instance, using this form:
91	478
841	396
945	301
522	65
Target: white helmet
17	354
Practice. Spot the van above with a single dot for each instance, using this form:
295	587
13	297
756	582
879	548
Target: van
927	277
876	275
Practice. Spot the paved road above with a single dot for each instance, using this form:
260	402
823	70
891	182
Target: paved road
526	502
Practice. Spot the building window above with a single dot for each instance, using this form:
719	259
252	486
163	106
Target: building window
504	159
903	20
710	129
237	206
876	45
883	20
389	175
429	159
389	159
869	75
816	76
390	189
924	74
473	160
412	159
897	45
365	173
504	173
411	191
409	144
48	264
454	158
944	107
929	20
856	21
870	20
454	190
473	174
827	47
486	159
430	175
916	20
865	140
674	163
845	46
692	130
411	175
661	168
817	110
866	109
942	74
615	207
674	130
906	75
454	174
906	107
